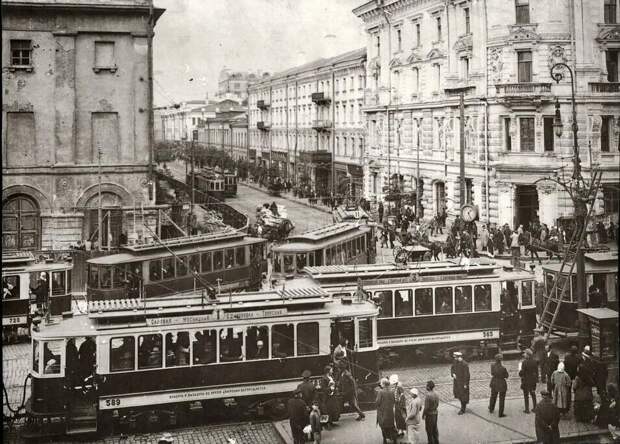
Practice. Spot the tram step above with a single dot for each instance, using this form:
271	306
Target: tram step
79	425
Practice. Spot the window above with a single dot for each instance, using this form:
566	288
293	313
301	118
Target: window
231	344
443	300
205	347
403	301
549	134
21	52
437	77
465	68
300	261
526	136
609	11
462	299
522	11
288	263
206	262
122	354
611	62
149	351
10	287
611	199
307	338
526	293
58	282
93	276
384	299
106	277
104	55
378	50
399	39
35	356
282	340
181	266
424	301
482	297
507	136
467	20
240	256
177	349
52	352
218	260
194	263
20	140
438	21
167	268
257	343
524	62
365	332
418	34
416	80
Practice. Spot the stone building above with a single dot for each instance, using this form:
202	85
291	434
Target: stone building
234	84
227	132
76	100
308	122
422	54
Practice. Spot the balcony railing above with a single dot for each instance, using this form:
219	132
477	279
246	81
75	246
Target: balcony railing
261	104
265	126
517	89
321	125
604	87
320	99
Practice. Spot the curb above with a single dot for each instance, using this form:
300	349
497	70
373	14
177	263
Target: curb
283	196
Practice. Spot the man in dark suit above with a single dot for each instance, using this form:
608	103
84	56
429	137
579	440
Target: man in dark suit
572	361
499	374
528	371
550	364
306	387
547	420
460	380
297	416
385	412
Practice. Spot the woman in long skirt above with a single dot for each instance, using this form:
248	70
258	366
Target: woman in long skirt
400	405
561	386
584	410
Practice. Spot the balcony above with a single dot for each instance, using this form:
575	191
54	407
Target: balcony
320	99
264	126
261	104
604	87
322	125
523	89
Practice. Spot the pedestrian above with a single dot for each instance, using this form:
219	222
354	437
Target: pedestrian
560	388
328	389
583	398
515	248
348	388
315	422
429	414
571	362
384	237
400	405
306	387
484	238
414	411
297	417
528	372
385	412
460	380
538	348
498	242
550	365
380	211
498	385
392	237
547	420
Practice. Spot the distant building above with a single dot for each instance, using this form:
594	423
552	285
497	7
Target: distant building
234	85
75	94
227	131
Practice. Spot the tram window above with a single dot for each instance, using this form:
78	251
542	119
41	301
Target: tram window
58	282
206	262
385	302
194	263
257	343
231	343
135	271
482	297
311	259
218	260
328	256
106	277
205	347
155	270
549	281
51	357
10	287
443	299
149	351
277	265
118	277
339	259
230	258
240	256
167	268
68	281
462	299
93	276
403	303
282	340
122	352
526	293
177	349
35	356
307	338
424	301
318	258
288	263
365	332
300	261
181	266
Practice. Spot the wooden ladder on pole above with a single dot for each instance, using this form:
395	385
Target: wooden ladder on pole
554	299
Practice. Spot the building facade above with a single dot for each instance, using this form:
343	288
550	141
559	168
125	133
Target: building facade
226	132
234	85
422	54
76	116
308	123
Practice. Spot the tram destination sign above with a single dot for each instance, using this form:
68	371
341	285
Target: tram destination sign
217	315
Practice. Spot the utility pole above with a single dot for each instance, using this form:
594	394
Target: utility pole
99	209
417	180
462	146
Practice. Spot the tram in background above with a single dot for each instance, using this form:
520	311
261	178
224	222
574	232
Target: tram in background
433	308
343	243
354	214
230	183
158	361
226	261
601	270
22	271
208	182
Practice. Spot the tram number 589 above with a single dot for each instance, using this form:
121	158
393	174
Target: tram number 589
114	402
487	334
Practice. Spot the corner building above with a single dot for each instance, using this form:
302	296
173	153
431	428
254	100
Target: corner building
75	89
422	54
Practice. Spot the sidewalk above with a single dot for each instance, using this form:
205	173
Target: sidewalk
477	426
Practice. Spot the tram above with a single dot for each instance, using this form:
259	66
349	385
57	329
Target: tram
230	183
22	271
355	214
208	182
226	261
434	307
342	243
156	361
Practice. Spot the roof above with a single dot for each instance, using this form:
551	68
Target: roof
326	232
602	257
591	267
599	313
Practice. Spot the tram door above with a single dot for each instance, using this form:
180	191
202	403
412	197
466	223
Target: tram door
80	366
509	314
343	329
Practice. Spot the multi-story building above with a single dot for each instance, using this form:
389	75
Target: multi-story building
308	122
76	117
423	54
227	132
234	85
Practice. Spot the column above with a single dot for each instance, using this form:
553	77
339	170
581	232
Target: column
505	202
547	203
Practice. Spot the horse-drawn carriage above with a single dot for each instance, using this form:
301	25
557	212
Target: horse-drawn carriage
272	226
411	253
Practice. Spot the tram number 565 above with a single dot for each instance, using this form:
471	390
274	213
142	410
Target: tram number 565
487	334
114	402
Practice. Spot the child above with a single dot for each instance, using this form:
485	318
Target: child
315	422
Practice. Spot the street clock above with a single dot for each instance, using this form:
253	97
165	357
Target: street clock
469	212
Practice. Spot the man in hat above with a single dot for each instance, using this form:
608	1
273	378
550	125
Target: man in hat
499	374
349	390
297	416
414	411
528	371
547	420
460	380
306	387
385	412
550	364
41	291
429	414
538	349
572	361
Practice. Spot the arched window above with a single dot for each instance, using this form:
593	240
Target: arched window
21	224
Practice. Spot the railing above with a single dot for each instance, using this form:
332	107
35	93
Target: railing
261	104
320	99
604	87
321	124
263	125
511	89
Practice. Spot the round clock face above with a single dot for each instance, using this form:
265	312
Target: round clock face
468	213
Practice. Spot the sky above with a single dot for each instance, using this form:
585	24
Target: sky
196	39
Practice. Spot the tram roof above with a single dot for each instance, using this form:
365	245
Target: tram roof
345	214
16	257
606	262
227	233
32	266
327	231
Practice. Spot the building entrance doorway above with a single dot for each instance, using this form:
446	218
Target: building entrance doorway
526	205
440	198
